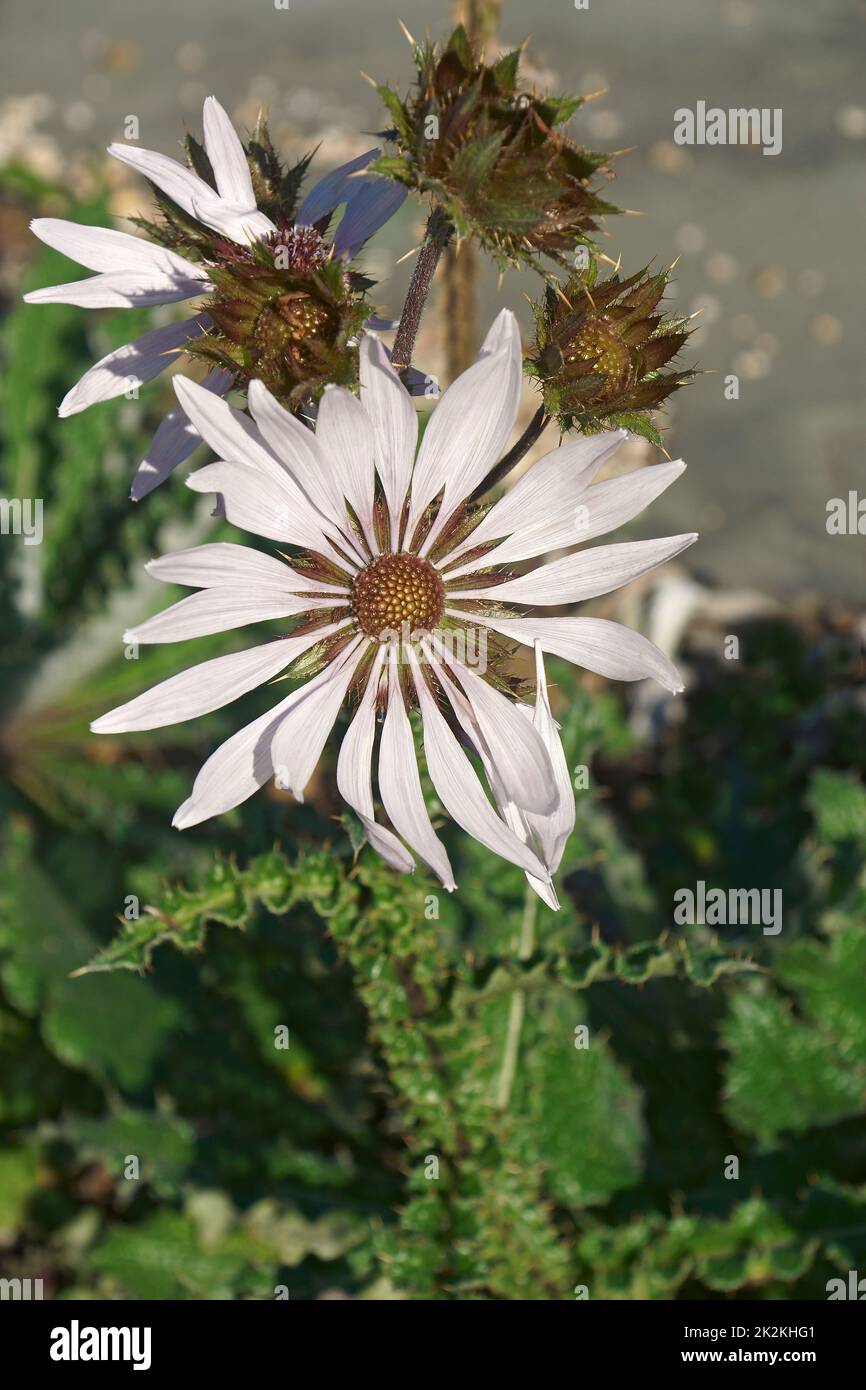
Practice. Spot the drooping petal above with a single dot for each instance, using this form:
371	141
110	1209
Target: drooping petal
395	426
459	789
131	365
222	608
546	493
206	687
470	426
175	439
227	158
400	787
516	749
303	731
369	208
584	575
121	289
552	830
333	189
596	644
237	769
355	775
345	436
221	562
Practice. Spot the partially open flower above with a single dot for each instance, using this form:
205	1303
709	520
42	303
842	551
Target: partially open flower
279	300
600	349
494	154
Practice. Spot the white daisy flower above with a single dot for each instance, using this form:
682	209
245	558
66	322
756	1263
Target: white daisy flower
399	599
135	273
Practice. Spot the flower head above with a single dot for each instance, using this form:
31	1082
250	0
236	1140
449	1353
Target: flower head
279	301
400	596
494	154
600	350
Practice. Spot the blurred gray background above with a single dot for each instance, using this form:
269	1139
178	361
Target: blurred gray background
772	248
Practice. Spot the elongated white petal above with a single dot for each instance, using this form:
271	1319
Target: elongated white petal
222	608
395	425
547	492
131	365
596	644
369	208
221	563
355	776
552	830
227	158
586	574
332	190
345	437
107	250
459	789
516	749
400	787
231	434
175	439
470	426
598	510
241	224
120	289
303	731
258	503
237	769
206	687
298	451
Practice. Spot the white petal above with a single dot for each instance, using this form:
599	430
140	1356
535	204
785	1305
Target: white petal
175	439
347	443
104	249
395	425
596	644
226	155
260	504
547	492
121	289
297	449
470	426
206	687
584	575
180	183
131	365
552	830
354	775
400	787
598	510
219	563
234	771
303	731
516	749
222	608
459	789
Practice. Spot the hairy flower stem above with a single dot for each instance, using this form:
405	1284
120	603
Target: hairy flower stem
533	432
439	232
526	946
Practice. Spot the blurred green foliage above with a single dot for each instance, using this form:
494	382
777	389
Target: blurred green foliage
157	1141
